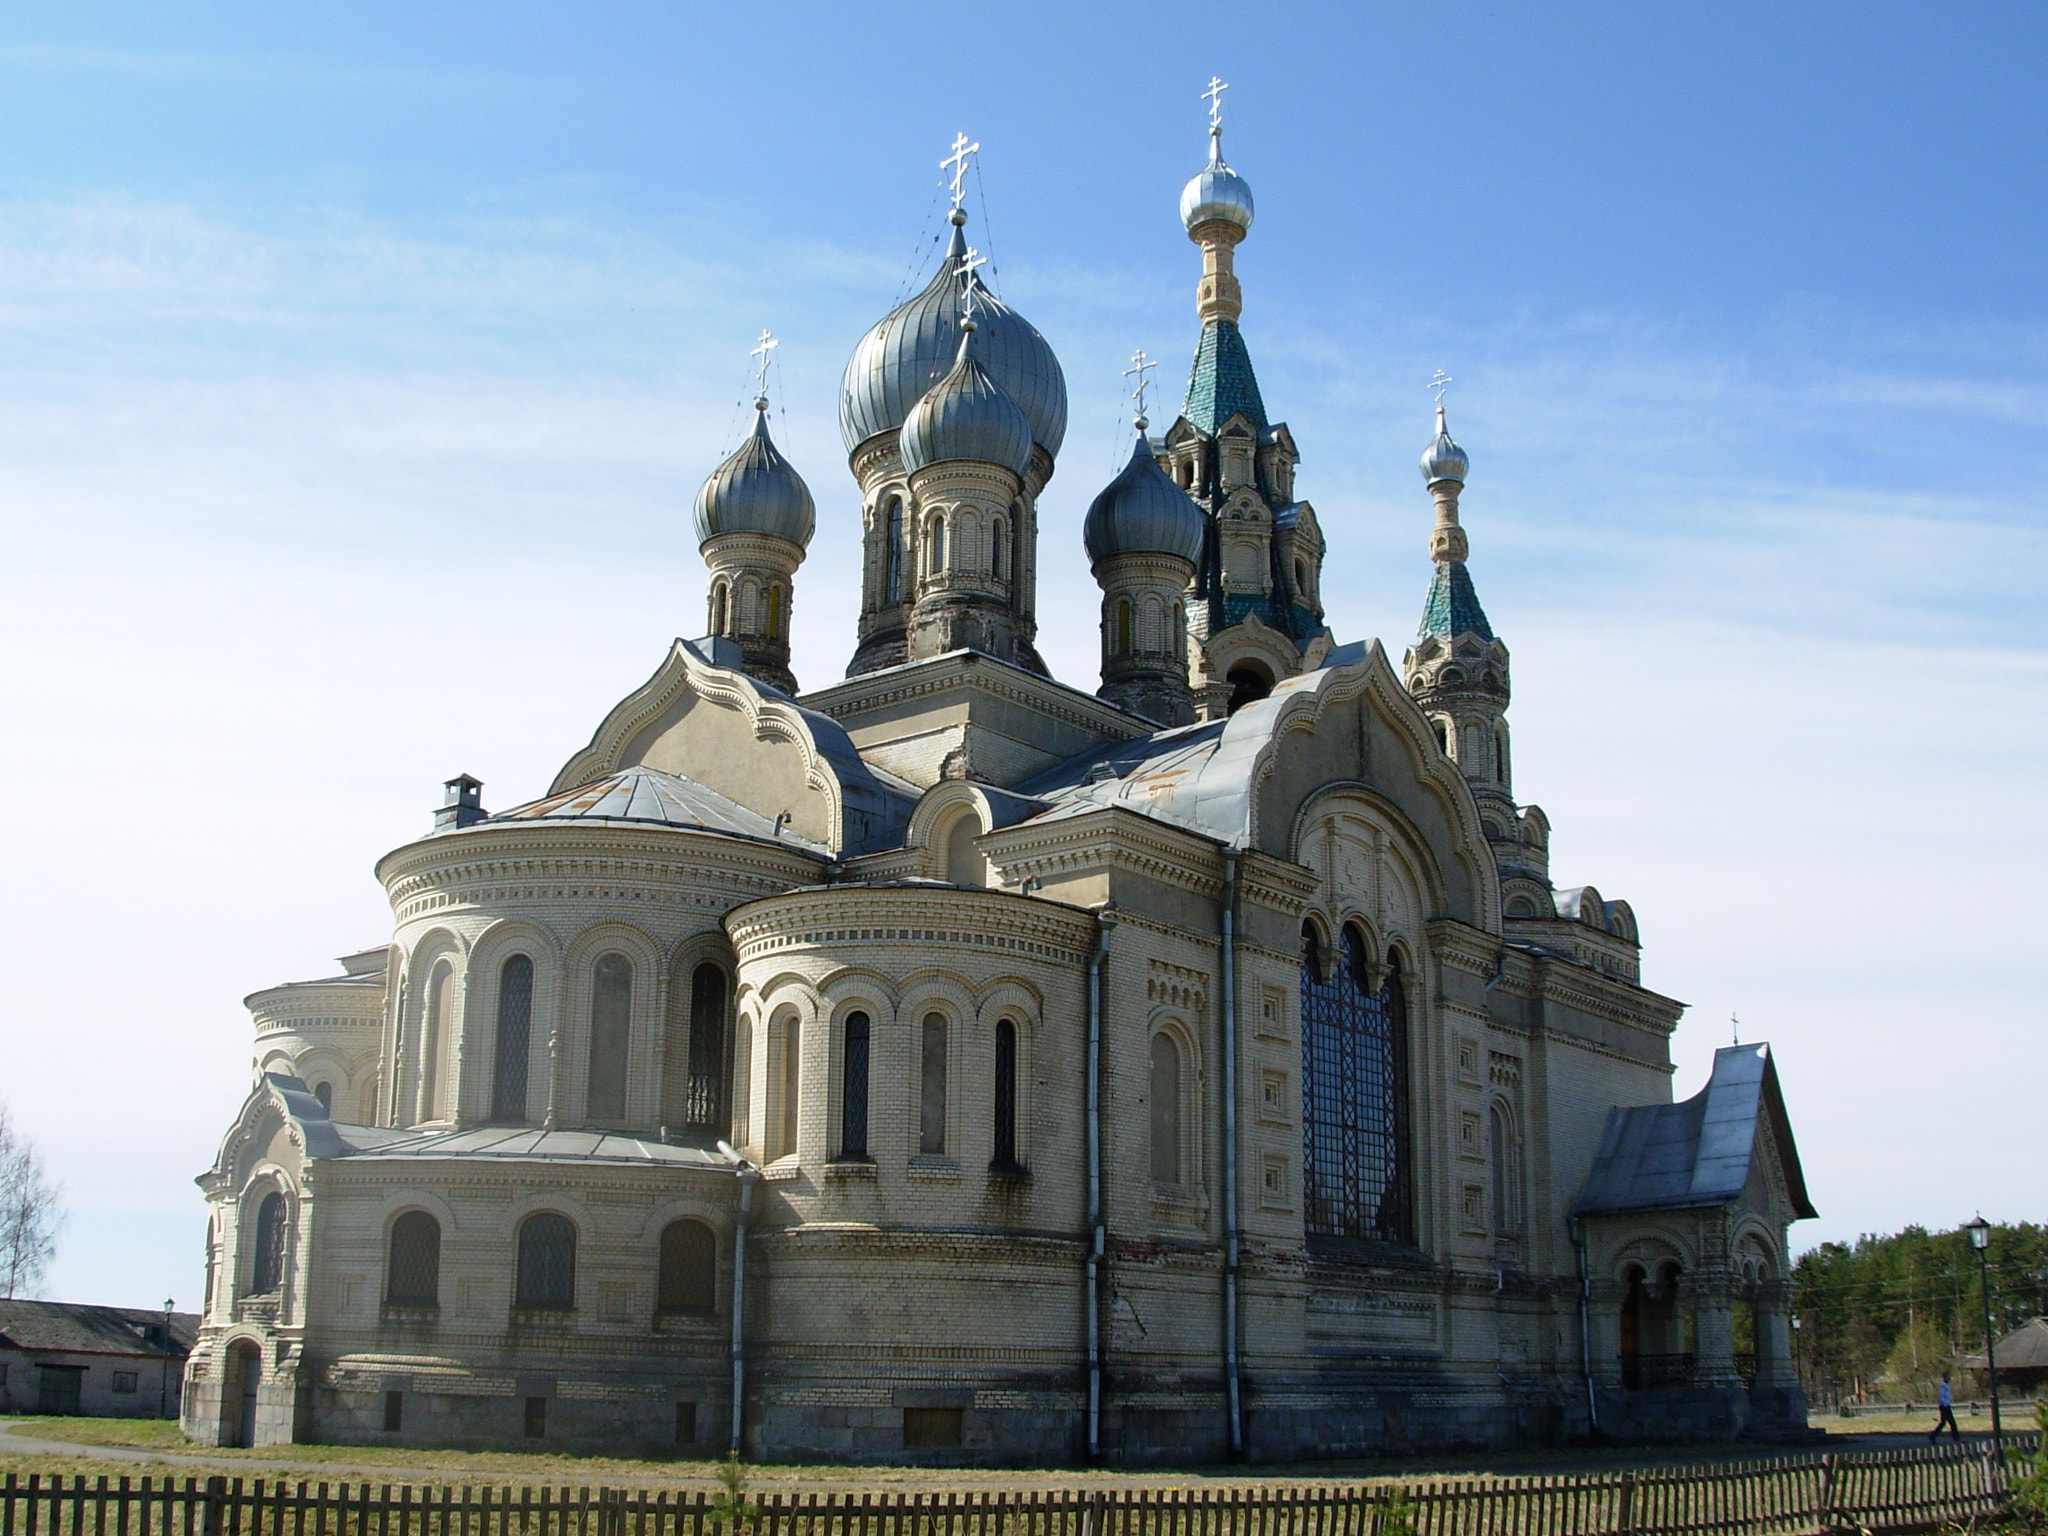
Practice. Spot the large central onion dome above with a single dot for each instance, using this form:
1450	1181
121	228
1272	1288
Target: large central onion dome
966	418
756	491
1444	459
1216	192
909	348
1142	511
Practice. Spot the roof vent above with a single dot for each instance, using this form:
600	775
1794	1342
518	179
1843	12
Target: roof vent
1100	773
461	804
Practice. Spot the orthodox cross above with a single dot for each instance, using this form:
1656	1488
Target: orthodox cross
969	260
1440	383
1735	1028
957	162
762	349
1140	365
1214	96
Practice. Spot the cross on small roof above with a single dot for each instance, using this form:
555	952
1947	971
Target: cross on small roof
1140	365
957	162
1214	96
1440	383
766	345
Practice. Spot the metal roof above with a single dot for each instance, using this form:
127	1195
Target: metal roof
1142	511
2024	1349
79	1329
1222	384
1453	605
756	490
642	796
1661	1157
966	418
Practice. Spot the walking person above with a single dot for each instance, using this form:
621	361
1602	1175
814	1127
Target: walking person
1948	1414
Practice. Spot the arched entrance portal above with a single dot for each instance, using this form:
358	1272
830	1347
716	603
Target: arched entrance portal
238	1397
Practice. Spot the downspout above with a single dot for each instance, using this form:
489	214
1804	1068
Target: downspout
1585	1325
1230	1374
748	1173
1096	1244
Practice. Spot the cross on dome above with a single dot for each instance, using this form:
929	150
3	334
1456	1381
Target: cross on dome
1140	365
762	349
969	260
958	162
1440	383
1214	96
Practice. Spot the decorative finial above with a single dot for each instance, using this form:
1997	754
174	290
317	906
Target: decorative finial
762	349
1735	1028
1440	383
1140	365
1214	96
958	162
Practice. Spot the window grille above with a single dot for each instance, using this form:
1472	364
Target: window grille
547	1262
267	1272
688	1284
1354	1100
515	1030
853	1107
413	1277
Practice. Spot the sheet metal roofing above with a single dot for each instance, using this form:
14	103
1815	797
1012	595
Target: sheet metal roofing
78	1329
1453	606
1222	384
641	796
1661	1157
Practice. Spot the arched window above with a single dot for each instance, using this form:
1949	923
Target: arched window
547	1263
894	556
611	1015
931	1102
742	1081
792	1083
1443	736
704	1097
938	545
1249	682
1123	627
853	1099
964	863
1301	579
434	1028
718	608
1500	1150
412	1275
266	1268
774	613
324	1092
1165	1092
1355	1155
999	551
688	1282
1004	1158
1500	754
515	1028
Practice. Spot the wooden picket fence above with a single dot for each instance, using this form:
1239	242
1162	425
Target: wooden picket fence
1913	1489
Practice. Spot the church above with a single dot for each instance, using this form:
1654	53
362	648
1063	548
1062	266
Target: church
951	1064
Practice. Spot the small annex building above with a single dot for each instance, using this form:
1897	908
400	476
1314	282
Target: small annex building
2022	1357
950	1063
62	1357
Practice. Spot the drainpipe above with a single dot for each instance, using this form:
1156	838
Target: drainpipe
748	1173
1230	1150
1585	1325
1096	1243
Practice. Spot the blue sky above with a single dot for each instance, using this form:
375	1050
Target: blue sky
357	368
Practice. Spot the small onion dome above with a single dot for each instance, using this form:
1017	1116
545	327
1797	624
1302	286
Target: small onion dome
966	418
1217	192
1142	511
906	350
756	491
1443	459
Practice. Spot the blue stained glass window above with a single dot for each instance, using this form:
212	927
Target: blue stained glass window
1355	1158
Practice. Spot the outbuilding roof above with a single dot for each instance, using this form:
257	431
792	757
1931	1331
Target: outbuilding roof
76	1328
2024	1349
1661	1157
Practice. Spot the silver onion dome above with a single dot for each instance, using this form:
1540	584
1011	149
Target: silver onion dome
1216	192
1142	511
907	350
966	418
1444	459
756	491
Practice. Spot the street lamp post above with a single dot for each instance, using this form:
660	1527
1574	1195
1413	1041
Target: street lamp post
163	1374
1980	1239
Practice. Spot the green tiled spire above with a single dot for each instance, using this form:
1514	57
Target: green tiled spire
1453	606
1222	384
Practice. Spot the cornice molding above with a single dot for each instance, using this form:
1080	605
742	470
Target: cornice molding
856	697
932	916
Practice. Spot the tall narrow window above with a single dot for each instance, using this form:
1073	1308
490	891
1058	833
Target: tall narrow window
412	1275
999	551
547	1262
1355	1160
964	863
894	585
742	1082
931	1104
324	1092
704	1099
1501	1154
515	1026
266	1269
1165	1092
1123	628
611	1014
434	1028
853	1100
687	1285
718	609
774	613
938	545
792	1081
1004	1159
